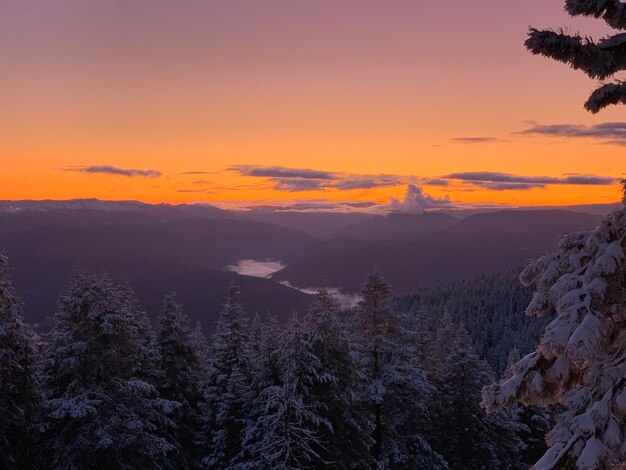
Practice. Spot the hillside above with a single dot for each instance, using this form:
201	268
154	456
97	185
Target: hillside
398	226
480	243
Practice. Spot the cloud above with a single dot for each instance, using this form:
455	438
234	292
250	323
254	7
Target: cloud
301	205
304	179
610	132
416	201
256	268
282	172
437	182
505	181
296	184
205	191
115	171
474	140
344	299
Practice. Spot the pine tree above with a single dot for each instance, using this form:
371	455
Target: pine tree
581	360
101	407
290	427
201	344
396	391
228	383
600	60
346	439
182	376
465	436
18	384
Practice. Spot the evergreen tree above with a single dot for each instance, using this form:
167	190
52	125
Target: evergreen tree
182	376
101	406
18	384
465	436
347	440
201	345
581	360
600	60
395	387
290	428
228	384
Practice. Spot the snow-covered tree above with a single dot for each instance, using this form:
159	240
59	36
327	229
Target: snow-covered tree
228	383
18	385
463	433
289	429
395	388
201	343
101	407
581	360
600	60
182	376
347	440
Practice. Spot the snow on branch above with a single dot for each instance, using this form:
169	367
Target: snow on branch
611	11
611	93
581	361
598	60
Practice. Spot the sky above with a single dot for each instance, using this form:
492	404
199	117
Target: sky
350	104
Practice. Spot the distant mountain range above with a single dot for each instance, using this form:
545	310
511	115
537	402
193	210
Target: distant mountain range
496	241
187	248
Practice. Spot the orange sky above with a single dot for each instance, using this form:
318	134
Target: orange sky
358	88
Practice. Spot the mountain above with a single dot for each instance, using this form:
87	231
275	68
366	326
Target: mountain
213	243
319	224
397	226
162	210
496	241
41	277
187	255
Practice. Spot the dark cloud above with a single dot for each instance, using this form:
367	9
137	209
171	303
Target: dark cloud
297	184
505	181
112	170
474	140
282	172
360	205
296	179
348	184
610	132
509	186
437	182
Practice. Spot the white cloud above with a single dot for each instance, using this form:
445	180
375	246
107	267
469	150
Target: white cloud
256	268
417	201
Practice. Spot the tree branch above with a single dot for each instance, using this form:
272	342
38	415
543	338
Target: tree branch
598	61
611	11
611	93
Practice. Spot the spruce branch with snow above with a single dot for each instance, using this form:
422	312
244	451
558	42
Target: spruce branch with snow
581	360
600	59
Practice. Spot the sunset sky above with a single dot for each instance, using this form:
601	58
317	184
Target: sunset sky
262	102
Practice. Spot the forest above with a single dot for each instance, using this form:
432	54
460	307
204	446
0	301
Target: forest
374	387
